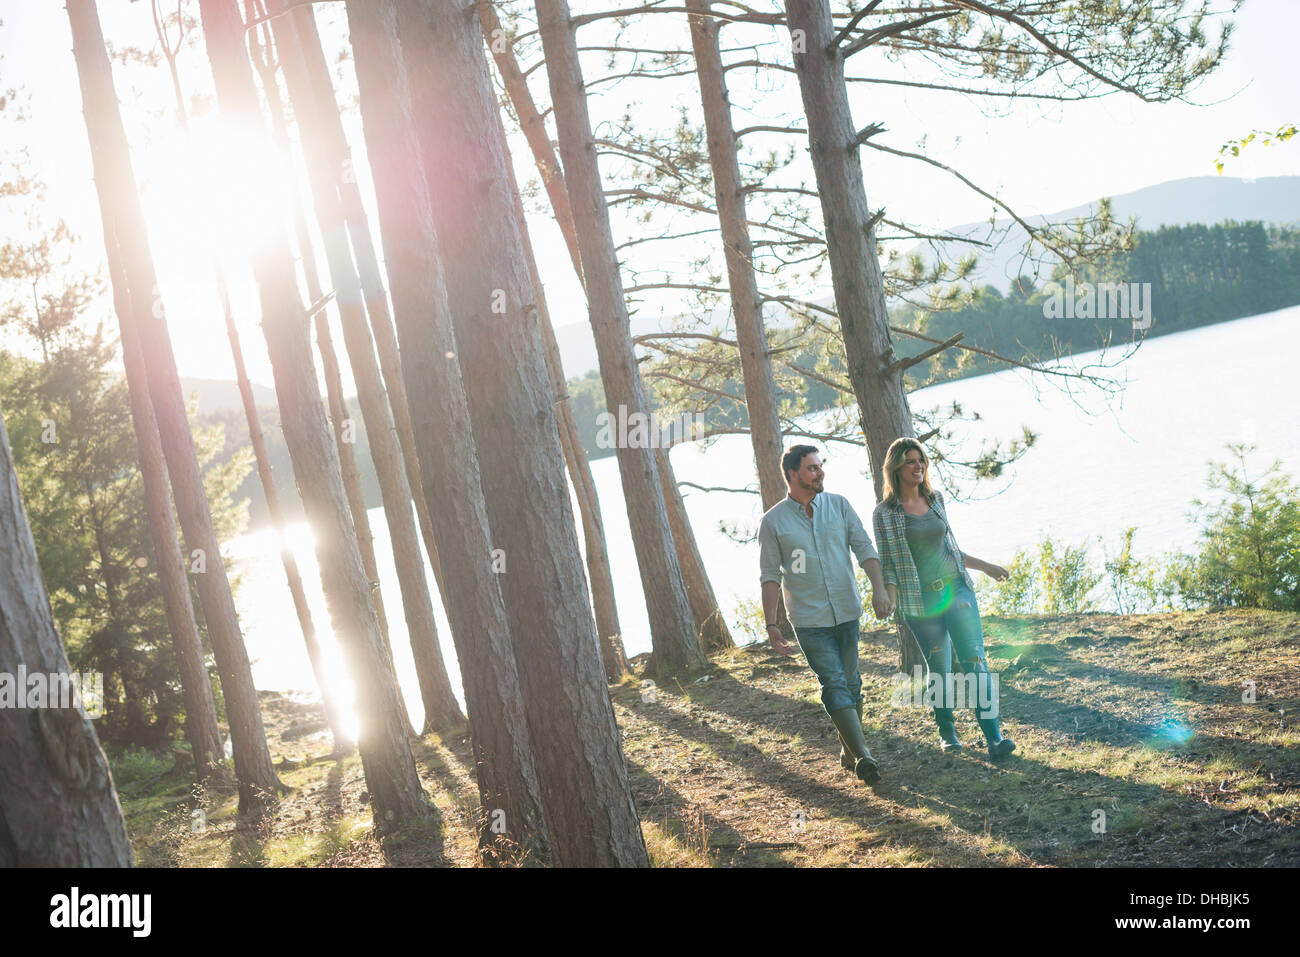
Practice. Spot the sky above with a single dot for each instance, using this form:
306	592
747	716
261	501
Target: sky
1039	157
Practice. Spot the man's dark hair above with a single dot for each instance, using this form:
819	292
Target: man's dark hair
794	457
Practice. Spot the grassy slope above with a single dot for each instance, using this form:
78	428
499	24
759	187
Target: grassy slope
1138	716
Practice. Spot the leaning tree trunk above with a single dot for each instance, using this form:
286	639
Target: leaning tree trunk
714	633
121	212
507	777
395	792
200	709
317	116
850	233
676	643
372	281
344	435
343	742
591	818
333	712
746	303
709	623
58	807
851	246
599	576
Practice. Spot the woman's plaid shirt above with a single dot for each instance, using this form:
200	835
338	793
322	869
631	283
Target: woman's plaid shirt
897	567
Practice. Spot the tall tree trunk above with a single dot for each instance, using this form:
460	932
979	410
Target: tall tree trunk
746	303
121	212
591	818
372	280
709	623
507	777
343	742
599	577
340	419
851	247
673	631
714	633
200	709
333	713
850	233
394	785
317	117
58	807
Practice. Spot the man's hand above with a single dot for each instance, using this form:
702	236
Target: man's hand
882	603
996	572
778	642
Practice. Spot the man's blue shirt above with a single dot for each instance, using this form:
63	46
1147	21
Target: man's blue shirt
811	558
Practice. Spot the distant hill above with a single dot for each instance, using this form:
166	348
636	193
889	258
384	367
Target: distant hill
1198	199
220	395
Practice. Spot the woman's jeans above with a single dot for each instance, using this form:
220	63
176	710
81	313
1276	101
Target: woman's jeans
954	613
833	654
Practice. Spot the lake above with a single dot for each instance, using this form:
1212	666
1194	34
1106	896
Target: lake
1099	465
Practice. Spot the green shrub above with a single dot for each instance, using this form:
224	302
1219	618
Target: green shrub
1249	553
1050	579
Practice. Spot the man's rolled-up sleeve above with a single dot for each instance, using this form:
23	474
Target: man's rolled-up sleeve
769	553
859	540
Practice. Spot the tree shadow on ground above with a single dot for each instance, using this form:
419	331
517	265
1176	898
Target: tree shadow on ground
1039	809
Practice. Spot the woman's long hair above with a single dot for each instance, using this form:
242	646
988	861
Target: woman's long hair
895	458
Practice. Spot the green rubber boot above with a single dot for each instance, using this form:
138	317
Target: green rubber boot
849	724
847	760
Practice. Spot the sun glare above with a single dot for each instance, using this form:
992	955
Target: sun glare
214	194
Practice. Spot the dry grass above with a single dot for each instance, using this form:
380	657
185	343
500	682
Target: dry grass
1140	717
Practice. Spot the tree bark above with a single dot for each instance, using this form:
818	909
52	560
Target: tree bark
746	303
850	233
391	778
58	807
599	578
591	818
122	215
675	640
338	410
851	247
333	713
343	742
712	627
200	709
372	280
507	777
317	118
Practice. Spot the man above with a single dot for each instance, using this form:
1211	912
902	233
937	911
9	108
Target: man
805	543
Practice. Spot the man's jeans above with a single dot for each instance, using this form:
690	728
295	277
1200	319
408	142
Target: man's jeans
954	612
833	654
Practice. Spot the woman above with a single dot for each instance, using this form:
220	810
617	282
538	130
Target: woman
925	575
